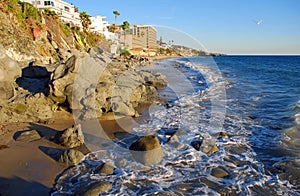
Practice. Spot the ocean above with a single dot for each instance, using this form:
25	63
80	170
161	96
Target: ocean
253	101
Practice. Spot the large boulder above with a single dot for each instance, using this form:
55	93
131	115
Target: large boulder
71	137
105	168
70	157
147	150
9	71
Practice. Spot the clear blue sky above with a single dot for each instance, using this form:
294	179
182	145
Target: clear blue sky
227	26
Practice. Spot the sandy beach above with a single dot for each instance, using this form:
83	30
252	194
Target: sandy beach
25	168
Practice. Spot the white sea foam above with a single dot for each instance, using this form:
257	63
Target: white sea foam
185	170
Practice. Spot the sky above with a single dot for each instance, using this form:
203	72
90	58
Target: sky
224	26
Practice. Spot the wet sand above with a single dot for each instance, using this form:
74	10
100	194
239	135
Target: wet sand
26	169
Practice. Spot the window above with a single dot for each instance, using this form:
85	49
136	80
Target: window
67	9
47	3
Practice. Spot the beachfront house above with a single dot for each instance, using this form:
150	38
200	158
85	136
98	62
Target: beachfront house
66	12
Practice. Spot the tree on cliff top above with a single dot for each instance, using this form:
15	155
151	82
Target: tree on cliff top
85	20
116	13
126	27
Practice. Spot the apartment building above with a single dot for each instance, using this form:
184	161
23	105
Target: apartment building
65	11
144	37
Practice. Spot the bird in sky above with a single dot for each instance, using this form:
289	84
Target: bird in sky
258	22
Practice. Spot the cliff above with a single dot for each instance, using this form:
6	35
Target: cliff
49	70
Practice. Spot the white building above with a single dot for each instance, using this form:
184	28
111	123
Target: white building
100	25
65	11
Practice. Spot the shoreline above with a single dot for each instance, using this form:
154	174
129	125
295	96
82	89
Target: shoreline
26	169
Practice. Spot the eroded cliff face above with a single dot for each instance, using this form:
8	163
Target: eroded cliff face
50	70
31	35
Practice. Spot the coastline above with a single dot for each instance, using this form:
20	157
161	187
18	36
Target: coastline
25	168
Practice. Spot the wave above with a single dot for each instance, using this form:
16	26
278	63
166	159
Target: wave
184	170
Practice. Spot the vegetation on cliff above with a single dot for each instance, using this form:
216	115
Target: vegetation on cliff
40	34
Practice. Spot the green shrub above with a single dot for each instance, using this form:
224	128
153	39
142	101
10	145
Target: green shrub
65	29
50	13
125	53
29	11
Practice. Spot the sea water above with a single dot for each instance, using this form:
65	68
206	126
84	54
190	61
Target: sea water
255	100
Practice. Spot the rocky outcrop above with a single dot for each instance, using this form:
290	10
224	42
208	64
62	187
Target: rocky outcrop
9	71
87	85
71	137
147	150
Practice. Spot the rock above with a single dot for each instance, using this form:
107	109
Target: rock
173	139
95	189
6	90
105	168
9	71
71	137
197	144
28	136
70	157
219	172
213	149
122	108
147	150
222	135
63	69
205	145
209	146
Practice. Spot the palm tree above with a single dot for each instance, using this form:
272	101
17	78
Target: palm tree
116	13
126	28
85	20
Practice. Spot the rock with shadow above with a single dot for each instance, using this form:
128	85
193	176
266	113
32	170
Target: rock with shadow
27	136
71	137
147	150
69	157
